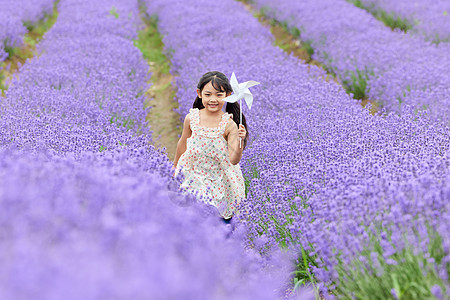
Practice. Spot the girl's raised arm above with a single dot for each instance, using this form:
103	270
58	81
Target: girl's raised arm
234	151
181	146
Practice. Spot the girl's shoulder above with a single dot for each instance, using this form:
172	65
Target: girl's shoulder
190	115
229	120
193	113
228	115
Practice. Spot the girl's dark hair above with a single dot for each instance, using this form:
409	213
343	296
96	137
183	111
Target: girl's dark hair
221	83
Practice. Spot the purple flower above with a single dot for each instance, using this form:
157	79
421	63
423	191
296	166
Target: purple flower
437	292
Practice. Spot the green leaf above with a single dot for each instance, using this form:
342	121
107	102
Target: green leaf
113	11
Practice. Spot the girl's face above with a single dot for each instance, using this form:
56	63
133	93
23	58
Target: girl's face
212	99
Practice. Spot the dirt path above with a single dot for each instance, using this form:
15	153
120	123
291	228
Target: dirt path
164	122
27	50
294	45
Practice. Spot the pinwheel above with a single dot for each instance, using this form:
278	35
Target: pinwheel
241	90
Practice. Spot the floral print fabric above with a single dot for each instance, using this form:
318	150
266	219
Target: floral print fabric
207	168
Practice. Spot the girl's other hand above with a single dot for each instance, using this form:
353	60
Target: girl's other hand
241	131
174	171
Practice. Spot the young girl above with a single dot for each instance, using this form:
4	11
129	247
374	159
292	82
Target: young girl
208	151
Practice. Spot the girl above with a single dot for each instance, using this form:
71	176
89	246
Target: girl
208	151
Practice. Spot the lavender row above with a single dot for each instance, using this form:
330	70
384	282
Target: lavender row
88	204
75	96
370	59
316	162
425	17
13	15
101	227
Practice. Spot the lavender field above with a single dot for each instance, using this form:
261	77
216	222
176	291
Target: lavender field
341	202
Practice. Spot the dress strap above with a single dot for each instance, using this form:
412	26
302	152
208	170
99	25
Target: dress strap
223	123
194	116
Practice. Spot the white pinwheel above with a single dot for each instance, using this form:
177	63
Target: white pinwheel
241	91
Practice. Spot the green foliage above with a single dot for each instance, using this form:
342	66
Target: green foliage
35	32
122	122
254	174
151	45
2	78
57	86
43	25
392	21
10	50
29	25
303	274
309	49
113	11
388	19
358	3
409	274
357	84
263	11
284	46
295	31
30	41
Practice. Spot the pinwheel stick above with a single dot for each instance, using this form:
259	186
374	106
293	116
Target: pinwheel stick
240	121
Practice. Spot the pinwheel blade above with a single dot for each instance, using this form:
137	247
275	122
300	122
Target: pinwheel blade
241	91
231	99
249	99
234	84
248	84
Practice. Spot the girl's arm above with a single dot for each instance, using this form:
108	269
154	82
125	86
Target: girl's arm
181	146
234	151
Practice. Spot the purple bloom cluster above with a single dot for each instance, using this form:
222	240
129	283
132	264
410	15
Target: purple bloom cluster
89	208
76	96
103	228
427	17
361	50
13	14
321	171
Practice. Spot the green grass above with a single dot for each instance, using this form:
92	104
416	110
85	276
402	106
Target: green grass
150	43
389	20
113	11
392	21
409	274
254	174
303	274
308	47
20	54
357	85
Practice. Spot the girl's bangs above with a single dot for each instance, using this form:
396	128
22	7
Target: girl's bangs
219	84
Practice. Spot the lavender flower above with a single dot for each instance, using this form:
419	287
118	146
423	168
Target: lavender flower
321	171
87	203
388	66
13	15
428	18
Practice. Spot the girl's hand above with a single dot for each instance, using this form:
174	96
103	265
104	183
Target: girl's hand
173	170
241	131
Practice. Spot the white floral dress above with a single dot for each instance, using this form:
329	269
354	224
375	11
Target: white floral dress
207	168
